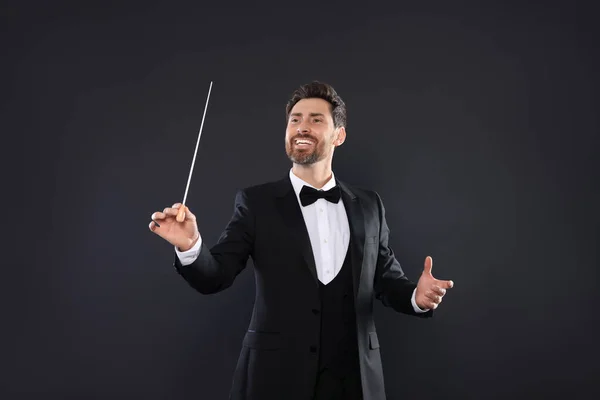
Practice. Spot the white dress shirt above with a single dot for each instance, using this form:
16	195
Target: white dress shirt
328	230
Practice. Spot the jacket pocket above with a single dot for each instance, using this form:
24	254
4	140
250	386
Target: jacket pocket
262	340
373	341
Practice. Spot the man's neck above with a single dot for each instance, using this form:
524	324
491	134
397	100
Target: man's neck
315	174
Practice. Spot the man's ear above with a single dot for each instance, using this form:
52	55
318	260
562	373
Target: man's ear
340	136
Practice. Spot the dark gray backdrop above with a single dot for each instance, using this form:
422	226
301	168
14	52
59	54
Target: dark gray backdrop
476	124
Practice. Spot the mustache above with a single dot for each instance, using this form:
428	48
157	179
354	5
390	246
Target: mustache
303	137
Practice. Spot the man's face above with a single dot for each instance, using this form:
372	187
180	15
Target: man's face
310	132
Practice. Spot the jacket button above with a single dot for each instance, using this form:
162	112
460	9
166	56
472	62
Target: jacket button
315	311
313	349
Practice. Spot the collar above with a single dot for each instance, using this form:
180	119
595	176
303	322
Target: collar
297	183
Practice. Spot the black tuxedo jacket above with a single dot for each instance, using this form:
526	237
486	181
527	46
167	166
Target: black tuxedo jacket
278	359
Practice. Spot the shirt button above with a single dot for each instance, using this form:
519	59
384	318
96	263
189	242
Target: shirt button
320	209
315	311
325	240
313	349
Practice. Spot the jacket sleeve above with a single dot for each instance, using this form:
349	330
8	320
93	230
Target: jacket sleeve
391	285
216	268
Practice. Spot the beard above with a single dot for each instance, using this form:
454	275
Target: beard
303	156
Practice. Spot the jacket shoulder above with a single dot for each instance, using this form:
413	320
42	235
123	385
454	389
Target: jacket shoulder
361	192
261	189
256	194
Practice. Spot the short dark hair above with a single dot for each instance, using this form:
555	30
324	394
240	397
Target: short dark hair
320	90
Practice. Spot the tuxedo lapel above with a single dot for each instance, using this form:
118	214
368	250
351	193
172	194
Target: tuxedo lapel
356	220
289	209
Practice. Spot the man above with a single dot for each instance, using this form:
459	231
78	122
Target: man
321	255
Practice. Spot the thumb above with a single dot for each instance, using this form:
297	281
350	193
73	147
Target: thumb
428	265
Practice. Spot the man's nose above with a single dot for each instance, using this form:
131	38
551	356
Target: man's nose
303	129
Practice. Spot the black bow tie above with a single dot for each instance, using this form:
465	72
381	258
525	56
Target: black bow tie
309	195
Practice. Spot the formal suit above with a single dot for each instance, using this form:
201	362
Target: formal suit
280	356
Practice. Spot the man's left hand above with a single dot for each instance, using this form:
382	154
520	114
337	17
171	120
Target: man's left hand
430	291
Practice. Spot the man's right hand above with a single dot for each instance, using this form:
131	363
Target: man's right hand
183	235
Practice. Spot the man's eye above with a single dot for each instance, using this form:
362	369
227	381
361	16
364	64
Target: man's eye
318	120
294	120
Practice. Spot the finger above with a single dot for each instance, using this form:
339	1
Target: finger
430	305
446	284
176	205
153	226
158	215
434	298
171	212
438	290
428	265
185	212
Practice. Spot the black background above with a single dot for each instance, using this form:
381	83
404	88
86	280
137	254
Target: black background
477	124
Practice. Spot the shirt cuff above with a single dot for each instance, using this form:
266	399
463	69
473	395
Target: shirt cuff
189	256
414	303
